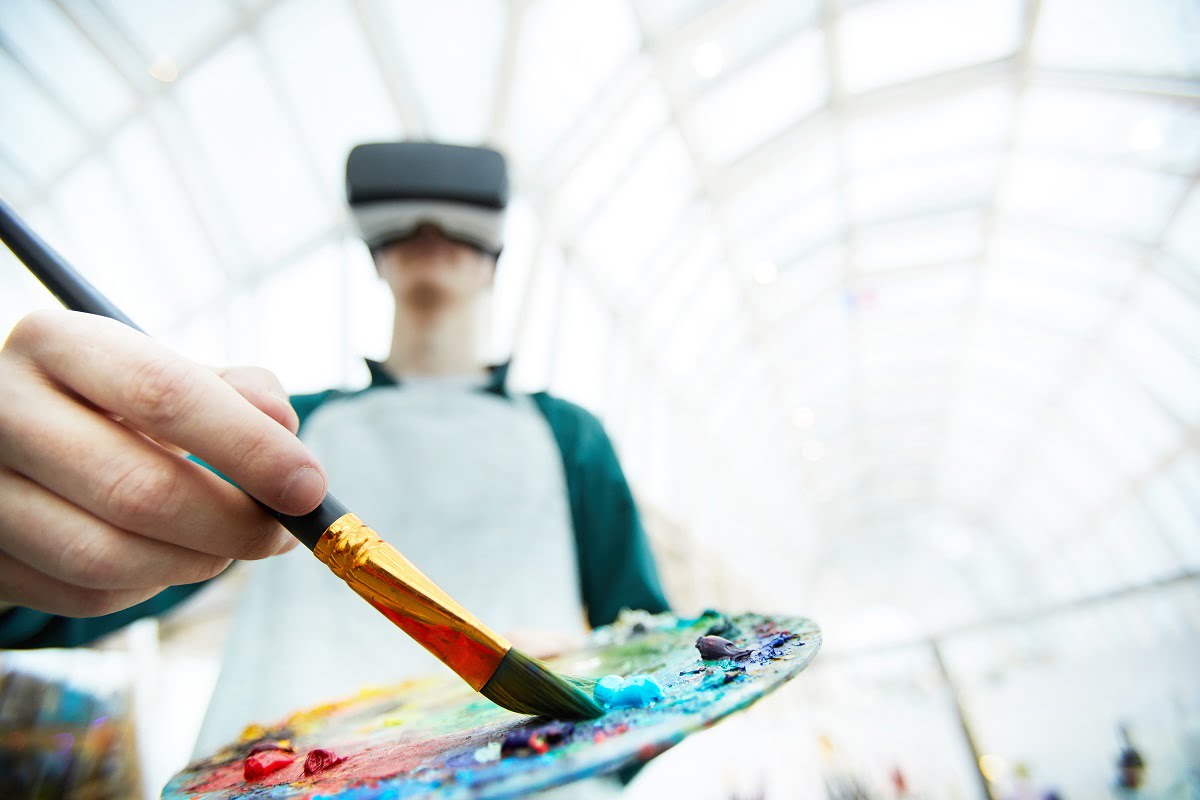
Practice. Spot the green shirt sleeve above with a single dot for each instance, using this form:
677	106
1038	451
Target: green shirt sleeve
616	565
25	629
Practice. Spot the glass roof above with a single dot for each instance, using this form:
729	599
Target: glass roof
919	314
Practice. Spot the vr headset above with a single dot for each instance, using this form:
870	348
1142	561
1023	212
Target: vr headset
395	187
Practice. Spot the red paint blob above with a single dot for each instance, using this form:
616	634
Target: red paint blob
320	760
262	764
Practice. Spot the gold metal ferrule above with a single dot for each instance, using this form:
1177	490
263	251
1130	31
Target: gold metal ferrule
383	577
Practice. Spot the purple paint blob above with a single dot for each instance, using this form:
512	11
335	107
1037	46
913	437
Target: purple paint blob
714	648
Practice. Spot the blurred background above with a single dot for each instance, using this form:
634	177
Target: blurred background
892	309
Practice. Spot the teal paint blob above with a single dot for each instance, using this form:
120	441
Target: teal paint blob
607	688
636	691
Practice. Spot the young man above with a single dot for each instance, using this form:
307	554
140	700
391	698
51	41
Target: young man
514	504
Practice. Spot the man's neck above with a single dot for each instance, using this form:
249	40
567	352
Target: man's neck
434	343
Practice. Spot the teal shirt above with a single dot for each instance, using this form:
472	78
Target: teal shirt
616	566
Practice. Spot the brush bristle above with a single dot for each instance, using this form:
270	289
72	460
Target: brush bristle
527	686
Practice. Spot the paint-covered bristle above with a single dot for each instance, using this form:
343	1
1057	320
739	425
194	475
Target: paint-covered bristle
527	686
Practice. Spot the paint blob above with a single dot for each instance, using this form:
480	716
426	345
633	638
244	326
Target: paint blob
320	760
714	648
636	691
265	762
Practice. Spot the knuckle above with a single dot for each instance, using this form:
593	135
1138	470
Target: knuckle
203	569
260	542
90	562
259	539
248	452
140	494
158	392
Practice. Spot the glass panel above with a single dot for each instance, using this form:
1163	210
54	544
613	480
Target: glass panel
1183	238
661	16
34	134
1141	130
20	292
703	322
586	43
1030	362
911	190
322	60
1021	293
1171	378
13	185
306	357
1176	518
1137	548
581	360
936	289
762	99
938	35
926	240
807	170
254	153
533	358
110	36
510	283
370	307
180	33
64	61
606	164
1118	423
107	246
795	234
180	249
686	277
1115	36
707	52
652	197
1087	263
1113	201
454	84
1175	315
799	284
945	125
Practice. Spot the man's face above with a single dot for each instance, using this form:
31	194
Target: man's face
428	272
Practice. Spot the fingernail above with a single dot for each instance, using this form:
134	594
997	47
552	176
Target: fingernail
303	492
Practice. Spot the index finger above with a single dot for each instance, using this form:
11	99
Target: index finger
172	398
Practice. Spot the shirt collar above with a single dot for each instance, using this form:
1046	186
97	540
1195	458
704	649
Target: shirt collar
497	381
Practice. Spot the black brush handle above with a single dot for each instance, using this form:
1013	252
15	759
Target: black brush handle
76	293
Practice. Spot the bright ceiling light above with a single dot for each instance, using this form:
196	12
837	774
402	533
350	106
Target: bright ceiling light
765	273
803	417
708	59
993	767
163	69
1145	135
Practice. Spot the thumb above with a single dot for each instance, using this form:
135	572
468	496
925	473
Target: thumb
264	391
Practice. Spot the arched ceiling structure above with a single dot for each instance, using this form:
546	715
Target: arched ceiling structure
907	291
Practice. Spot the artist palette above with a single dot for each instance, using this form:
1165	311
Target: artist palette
438	738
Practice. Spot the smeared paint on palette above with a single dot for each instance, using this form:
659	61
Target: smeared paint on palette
436	737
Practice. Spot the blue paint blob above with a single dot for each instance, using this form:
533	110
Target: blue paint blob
607	687
636	691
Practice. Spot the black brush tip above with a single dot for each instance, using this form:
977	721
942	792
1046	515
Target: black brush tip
527	686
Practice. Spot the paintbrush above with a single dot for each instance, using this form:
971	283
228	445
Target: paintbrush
374	569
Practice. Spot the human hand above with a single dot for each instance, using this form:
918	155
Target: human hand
99	508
